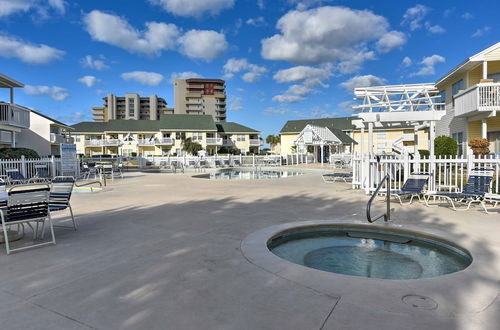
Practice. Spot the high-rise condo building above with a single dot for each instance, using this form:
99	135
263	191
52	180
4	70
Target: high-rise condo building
131	106
199	96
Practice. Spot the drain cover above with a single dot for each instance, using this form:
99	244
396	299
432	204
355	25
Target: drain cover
417	301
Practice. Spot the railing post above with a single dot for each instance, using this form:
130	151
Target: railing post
23	165
388	203
53	165
253	160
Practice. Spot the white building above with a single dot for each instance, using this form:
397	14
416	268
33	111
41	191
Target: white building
13	117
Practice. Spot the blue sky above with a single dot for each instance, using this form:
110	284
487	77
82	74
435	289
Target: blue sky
282	59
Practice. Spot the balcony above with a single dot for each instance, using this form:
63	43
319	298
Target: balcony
165	142
214	141
227	143
408	137
195	86
59	138
193	101
478	98
255	142
146	142
14	115
103	143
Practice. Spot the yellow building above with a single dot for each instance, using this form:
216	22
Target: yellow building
471	92
163	136
385	139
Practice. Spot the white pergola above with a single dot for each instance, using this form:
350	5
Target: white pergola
316	136
393	106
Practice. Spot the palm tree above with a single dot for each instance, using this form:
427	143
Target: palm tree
191	147
273	140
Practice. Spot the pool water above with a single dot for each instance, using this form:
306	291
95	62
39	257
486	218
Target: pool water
370	254
251	173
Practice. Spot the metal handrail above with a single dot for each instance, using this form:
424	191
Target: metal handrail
88	183
387	214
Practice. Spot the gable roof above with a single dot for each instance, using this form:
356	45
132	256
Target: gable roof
340	123
51	119
231	127
166	122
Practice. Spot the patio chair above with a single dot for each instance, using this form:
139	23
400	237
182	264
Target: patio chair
15	177
225	162
60	195
236	162
27	205
413	187
42	174
217	163
478	184
177	165
118	170
493	199
334	177
107	171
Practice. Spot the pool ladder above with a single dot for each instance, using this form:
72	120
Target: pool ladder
387	214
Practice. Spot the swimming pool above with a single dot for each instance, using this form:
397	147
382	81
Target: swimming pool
251	173
373	254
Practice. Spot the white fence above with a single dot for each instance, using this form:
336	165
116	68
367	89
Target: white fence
447	173
26	166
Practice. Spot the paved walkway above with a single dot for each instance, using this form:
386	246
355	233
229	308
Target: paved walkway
162	251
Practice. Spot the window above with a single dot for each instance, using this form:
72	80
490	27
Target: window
166	135
441	99
459	137
494	76
197	136
381	135
240	137
381	146
77	138
458	86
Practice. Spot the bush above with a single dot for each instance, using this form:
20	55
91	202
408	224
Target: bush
424	153
229	151
479	146
16	153
445	146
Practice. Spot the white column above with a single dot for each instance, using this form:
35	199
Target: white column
11	95
485	70
322	152
370	138
432	135
484	129
415	141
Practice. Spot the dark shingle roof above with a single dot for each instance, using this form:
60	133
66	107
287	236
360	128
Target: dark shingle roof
341	123
230	127
166	122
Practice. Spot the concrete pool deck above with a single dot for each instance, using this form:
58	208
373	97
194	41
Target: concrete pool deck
163	251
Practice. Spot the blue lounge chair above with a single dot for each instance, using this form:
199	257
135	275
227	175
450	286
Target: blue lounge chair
333	177
413	187
42	174
15	177
478	184
60	195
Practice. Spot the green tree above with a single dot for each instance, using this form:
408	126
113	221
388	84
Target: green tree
445	146
191	147
273	140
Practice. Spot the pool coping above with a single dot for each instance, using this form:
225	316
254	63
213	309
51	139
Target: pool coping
383	293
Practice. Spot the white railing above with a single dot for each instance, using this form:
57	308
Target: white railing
446	173
146	142
14	115
103	143
255	142
92	143
214	141
26	166
165	141
59	138
480	97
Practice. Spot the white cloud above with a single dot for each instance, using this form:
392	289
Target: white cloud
467	16
89	81
346	106
304	4
406	62
261	4
288	98
55	92
276	111
301	73
96	64
143	77
116	31
40	7
75	117
362	81
428	64
27	52
184	75
235	103
253	71
326	34
481	31
203	44
391	40
414	16
434	29
193	8
258	21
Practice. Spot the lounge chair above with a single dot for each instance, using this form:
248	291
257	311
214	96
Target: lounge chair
478	184
334	177
413	187
42	174
225	162
27	205
60	195
15	177
217	163
236	162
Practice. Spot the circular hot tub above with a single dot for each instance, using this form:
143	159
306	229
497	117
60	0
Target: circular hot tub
373	253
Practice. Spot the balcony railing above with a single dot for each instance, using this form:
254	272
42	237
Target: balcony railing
478	98
255	142
103	143
165	142
214	141
146	142
14	115
59	138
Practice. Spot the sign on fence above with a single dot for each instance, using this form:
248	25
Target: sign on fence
68	159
